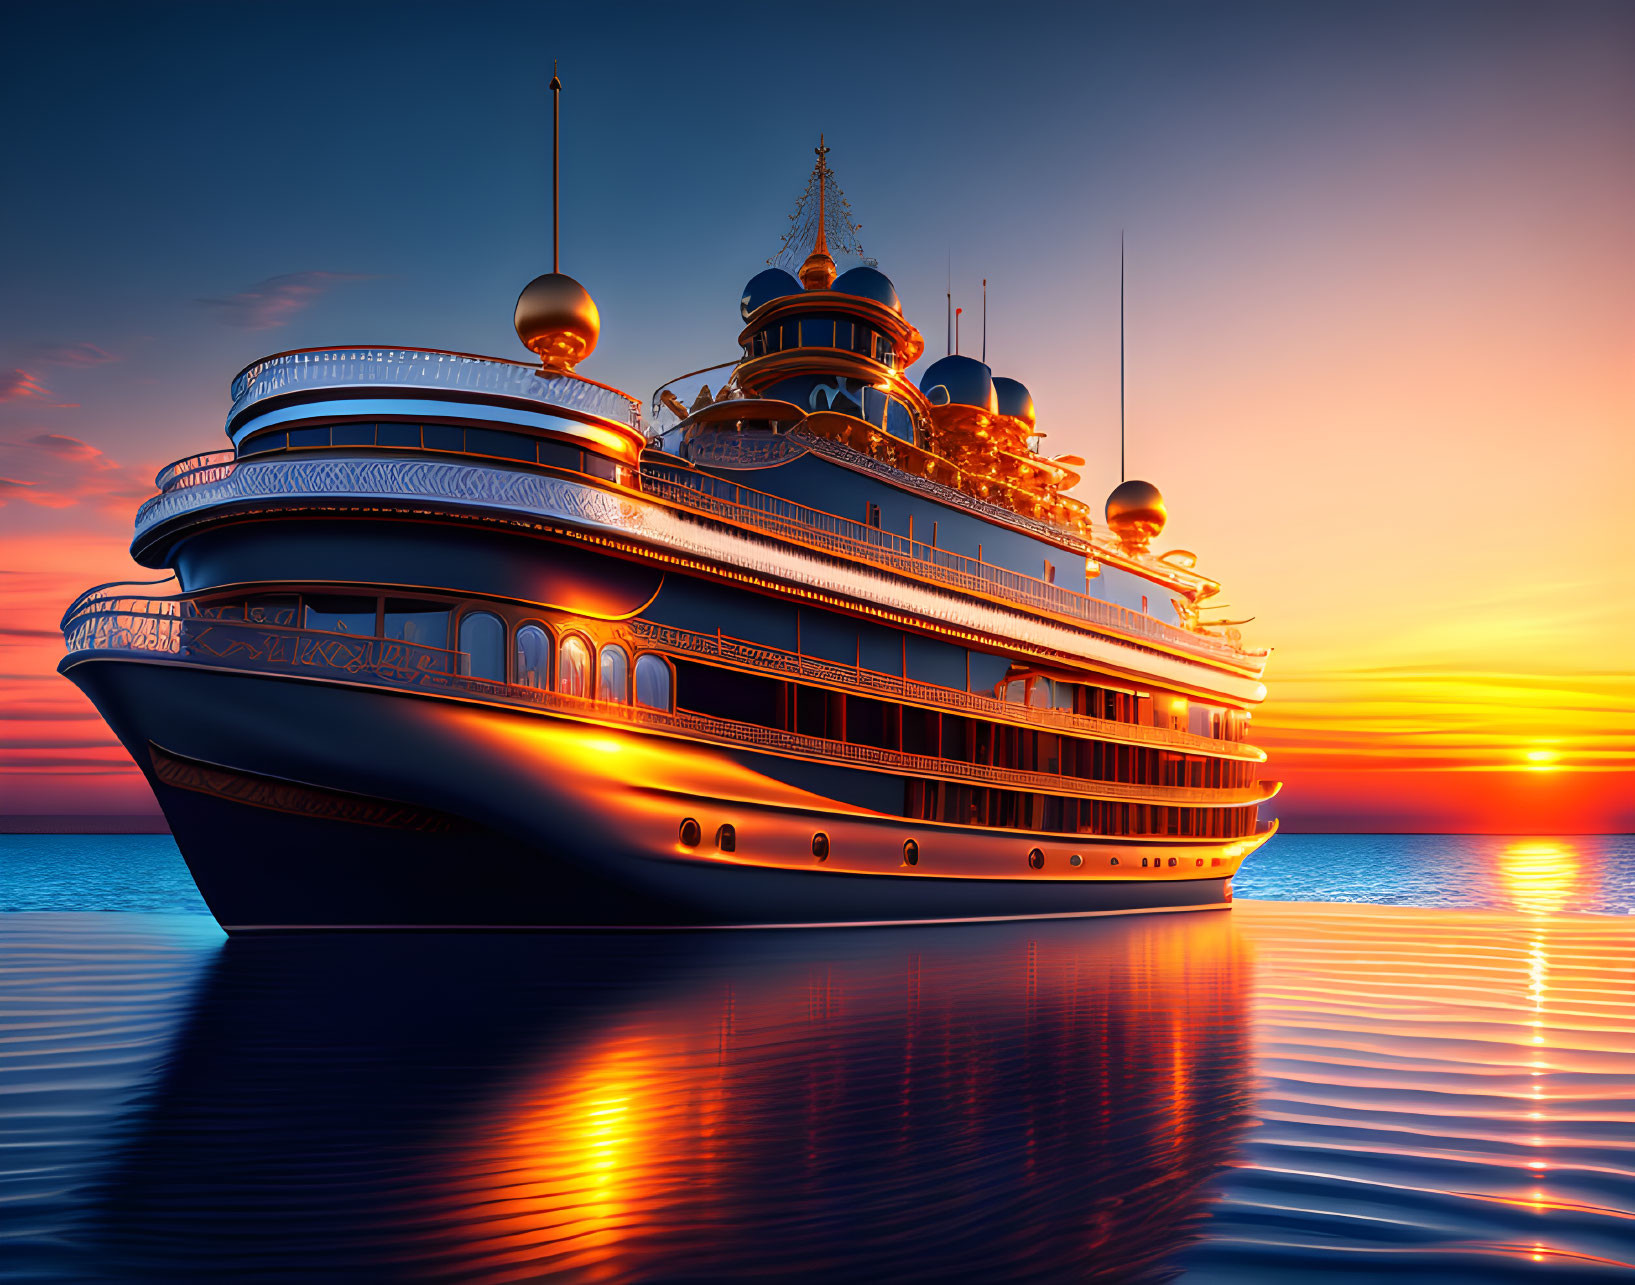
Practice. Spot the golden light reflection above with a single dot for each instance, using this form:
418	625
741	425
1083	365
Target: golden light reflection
1539	875
1542	761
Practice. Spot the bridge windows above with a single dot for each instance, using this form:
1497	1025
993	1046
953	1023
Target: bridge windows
482	644
652	682
573	674
613	684
531	658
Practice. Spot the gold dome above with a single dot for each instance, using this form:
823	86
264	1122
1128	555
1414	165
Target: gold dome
1136	512
818	272
557	319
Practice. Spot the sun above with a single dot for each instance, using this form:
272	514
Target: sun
1541	760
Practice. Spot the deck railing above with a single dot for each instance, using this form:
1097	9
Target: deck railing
771	660
168	628
429	368
833	534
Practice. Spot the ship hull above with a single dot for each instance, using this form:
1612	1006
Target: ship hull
303	804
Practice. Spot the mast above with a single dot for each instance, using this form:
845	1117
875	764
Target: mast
1121	354
556	170
984	321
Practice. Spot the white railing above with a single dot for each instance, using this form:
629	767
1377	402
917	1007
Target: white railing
429	368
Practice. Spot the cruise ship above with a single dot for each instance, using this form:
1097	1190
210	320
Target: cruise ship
466	642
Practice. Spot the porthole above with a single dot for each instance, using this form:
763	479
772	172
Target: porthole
1143	863
1075	860
1036	859
1214	861
1172	861
820	846
691	833
1113	861
1198	862
911	853
726	839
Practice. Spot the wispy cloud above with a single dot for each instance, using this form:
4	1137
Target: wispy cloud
271	303
20	386
56	471
72	354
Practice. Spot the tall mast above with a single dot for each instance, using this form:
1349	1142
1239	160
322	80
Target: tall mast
821	244
1121	354
556	170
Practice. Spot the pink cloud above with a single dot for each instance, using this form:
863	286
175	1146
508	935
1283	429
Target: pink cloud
271	303
55	471
19	385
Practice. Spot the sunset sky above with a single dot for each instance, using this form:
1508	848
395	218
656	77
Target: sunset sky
1381	305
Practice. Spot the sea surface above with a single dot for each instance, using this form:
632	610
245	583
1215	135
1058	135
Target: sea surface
1397	1057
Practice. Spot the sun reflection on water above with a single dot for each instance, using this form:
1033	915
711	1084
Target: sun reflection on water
1540	875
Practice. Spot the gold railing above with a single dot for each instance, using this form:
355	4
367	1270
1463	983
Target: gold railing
762	659
167	628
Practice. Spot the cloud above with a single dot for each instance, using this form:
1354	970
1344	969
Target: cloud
272	302
81	354
55	471
19	385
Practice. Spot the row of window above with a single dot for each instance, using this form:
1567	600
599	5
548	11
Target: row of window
852	336
494	443
863	720
536	656
1019	810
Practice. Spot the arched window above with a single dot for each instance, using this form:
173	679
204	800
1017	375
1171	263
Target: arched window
652	682
573	667
482	639
614	684
532	658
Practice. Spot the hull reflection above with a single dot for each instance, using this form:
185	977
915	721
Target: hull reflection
1032	1101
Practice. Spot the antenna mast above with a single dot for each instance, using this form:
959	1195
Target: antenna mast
1121	355
950	352
556	170
984	321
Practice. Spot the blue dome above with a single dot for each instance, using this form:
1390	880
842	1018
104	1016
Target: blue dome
1014	399
869	283
959	381
766	286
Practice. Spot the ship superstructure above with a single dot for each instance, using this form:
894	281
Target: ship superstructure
462	641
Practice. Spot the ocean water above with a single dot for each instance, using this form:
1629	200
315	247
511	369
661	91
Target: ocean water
1442	1088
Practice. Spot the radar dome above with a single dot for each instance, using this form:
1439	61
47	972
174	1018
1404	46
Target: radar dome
1136	512
1014	400
959	381
766	286
557	319
869	283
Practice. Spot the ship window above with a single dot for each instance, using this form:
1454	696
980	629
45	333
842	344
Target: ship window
911	853
532	657
423	623
1075	860
444	437
1039	693
690	833
353	435
313	436
614	683
482	642
337	615
398	435
1113	861
559	455
264	442
1016	691
1036	859
573	667
652	682
500	444
871	515
279	610
726	839
820	846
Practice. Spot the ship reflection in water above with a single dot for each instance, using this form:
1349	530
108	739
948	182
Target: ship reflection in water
1044	1101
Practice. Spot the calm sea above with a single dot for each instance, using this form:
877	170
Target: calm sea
1434	1083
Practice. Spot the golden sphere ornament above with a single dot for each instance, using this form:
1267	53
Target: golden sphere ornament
558	320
